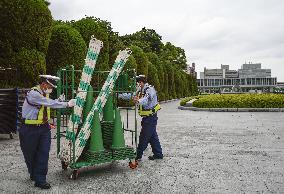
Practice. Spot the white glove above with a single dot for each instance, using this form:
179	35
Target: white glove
61	98
71	102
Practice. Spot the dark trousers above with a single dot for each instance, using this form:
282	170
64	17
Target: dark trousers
35	144
149	134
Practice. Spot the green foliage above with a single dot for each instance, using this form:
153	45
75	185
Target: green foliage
23	24
240	101
173	55
194	88
155	72
187	99
31	63
28	34
166	86
178	84
171	80
66	47
167	60
161	96
153	78
115	45
147	39
141	60
130	65
92	26
114	41
60	22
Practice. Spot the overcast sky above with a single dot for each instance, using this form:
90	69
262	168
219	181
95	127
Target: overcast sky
212	32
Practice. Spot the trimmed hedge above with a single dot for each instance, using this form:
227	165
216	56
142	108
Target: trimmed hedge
31	63
66	47
23	24
141	60
240	101
91	26
187	99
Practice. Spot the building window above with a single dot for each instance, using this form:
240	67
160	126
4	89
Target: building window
258	82
248	81
243	82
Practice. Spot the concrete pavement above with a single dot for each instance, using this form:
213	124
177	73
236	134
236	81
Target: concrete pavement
205	152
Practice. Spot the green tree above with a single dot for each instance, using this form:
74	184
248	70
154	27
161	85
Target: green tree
115	45
25	27
147	39
185	85
23	24
171	80
153	78
178	84
31	63
166	86
130	66
174	55
115	42
92	26
141	60
194	88
130	63
155	71
66	47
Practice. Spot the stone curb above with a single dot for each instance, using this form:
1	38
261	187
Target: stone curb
232	109
190	103
165	101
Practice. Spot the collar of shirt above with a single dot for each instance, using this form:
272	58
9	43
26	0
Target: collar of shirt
40	90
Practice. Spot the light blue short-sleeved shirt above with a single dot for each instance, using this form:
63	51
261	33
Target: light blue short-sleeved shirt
36	98
150	99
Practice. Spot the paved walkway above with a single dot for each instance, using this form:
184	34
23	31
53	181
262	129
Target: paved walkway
205	152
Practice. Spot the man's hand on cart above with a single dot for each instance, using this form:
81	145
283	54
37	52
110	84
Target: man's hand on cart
72	103
135	99
51	126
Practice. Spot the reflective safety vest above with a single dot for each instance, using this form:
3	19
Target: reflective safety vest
40	114
147	112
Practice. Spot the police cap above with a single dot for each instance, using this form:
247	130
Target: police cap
141	78
51	80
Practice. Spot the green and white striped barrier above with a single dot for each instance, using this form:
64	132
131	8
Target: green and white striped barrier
107	88
76	118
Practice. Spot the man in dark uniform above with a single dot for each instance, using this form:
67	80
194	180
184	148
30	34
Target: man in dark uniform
148	106
34	134
147	101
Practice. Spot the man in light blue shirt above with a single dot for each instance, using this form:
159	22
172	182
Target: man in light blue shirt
34	134
148	106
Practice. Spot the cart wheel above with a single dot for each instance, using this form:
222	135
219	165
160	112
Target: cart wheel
133	164
11	136
74	175
64	165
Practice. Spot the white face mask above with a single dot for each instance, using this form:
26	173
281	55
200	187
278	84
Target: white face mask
138	87
48	91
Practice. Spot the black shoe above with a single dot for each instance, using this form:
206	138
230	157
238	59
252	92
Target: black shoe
155	157
43	185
